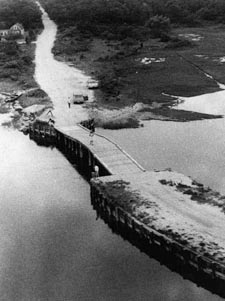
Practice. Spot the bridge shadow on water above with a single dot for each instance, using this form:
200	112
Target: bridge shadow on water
214	285
81	166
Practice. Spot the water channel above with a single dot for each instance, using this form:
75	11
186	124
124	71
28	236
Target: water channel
51	245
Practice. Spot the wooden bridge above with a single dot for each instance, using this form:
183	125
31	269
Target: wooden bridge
75	142
123	185
108	153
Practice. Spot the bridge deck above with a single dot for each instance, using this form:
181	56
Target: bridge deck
110	154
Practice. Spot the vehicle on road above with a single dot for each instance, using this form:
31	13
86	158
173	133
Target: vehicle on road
79	98
92	84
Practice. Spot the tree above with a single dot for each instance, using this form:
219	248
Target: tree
159	26
11	48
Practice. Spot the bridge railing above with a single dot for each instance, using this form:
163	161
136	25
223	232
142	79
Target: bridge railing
86	125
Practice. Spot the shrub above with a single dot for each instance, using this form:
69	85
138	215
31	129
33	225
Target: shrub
176	42
159	25
165	37
12	65
10	73
36	93
11	48
4	109
129	42
70	32
117	123
108	35
27	59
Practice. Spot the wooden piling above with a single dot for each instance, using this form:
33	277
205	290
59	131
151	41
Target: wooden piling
182	258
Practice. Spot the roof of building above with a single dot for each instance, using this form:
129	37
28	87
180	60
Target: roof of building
18	25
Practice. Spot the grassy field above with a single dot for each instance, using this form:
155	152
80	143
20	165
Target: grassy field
208	51
126	80
16	66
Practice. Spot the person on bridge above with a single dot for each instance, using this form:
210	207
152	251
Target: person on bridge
95	173
69	102
96	168
51	122
92	131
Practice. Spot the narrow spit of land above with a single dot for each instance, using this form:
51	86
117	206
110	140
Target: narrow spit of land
172	204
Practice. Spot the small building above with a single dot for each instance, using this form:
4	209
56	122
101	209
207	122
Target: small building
16	30
3	33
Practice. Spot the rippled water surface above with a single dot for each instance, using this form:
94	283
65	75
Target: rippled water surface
51	245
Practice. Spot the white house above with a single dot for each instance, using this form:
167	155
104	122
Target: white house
16	29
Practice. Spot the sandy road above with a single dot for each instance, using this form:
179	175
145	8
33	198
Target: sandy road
58	79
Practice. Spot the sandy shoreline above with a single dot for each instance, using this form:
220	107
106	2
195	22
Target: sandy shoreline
126	77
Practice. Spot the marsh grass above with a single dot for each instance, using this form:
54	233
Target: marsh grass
119	123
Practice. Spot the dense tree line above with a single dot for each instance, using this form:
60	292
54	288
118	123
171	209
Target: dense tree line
134	11
94	14
25	12
190	12
97	11
16	61
134	18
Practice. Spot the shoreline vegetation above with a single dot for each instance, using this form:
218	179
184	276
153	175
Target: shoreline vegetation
20	95
140	53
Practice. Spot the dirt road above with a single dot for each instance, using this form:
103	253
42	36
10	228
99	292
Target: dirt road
58	79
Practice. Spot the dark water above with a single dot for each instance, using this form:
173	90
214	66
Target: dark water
53	248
